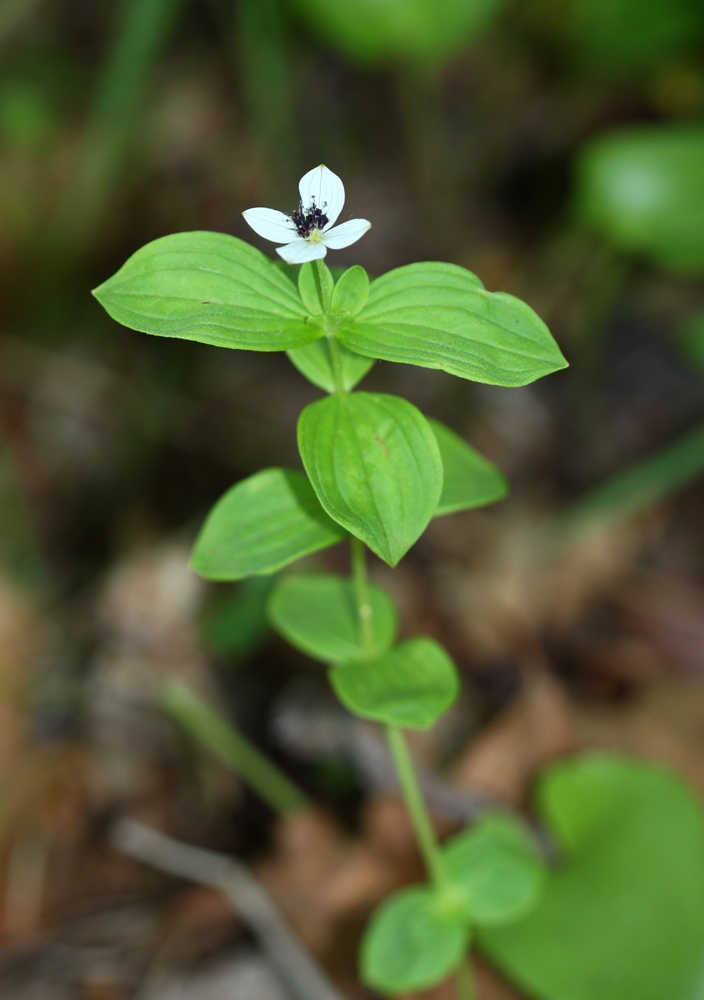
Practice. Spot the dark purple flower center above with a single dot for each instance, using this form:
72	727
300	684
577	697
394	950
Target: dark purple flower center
306	220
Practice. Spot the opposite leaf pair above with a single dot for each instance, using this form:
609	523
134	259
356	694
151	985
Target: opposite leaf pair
274	517
494	876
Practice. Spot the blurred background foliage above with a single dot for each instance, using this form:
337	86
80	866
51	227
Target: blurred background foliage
554	147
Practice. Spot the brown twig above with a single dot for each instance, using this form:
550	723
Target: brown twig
233	880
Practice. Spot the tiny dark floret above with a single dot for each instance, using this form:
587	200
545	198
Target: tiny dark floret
308	220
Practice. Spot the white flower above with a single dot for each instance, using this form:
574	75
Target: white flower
311	230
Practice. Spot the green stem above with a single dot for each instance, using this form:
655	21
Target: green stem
361	590
416	806
232	748
464	982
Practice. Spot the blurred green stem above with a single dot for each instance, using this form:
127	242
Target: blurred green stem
417	810
464	982
207	728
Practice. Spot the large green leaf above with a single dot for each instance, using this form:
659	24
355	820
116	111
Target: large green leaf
440	316
318	615
370	31
208	287
409	686
412	942
643	189
496	868
375	464
622	914
469	480
262	524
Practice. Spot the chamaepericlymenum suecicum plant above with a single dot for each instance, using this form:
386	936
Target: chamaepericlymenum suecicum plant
376	472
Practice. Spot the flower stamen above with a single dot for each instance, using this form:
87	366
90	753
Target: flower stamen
307	221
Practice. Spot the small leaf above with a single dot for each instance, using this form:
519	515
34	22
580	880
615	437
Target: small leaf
496	868
470	480
641	188
309	287
439	316
262	524
314	362
208	287
411	943
318	615
375	464
351	292
410	686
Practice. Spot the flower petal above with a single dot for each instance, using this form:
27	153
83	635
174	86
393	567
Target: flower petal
346	234
326	189
270	224
301	251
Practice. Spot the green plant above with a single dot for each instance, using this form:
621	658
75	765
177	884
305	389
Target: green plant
376	472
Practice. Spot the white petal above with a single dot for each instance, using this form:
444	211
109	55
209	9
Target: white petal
326	189
301	251
346	234
270	224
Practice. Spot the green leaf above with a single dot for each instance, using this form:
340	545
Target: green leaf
314	362
309	287
351	292
318	615
208	287
375	464
420	31
622	914
410	686
496	869
470	480
643	190
262	524
411	943
439	316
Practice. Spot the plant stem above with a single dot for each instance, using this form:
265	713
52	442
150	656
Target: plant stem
416	806
361	589
232	748
464	982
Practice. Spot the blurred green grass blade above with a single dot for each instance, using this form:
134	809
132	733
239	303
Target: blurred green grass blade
139	37
265	68
632	491
232	748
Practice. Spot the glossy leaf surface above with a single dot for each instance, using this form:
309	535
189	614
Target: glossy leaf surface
642	189
411	943
409	686
208	287
496	868
318	615
375	464
622	914
469	479
440	316
261	525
